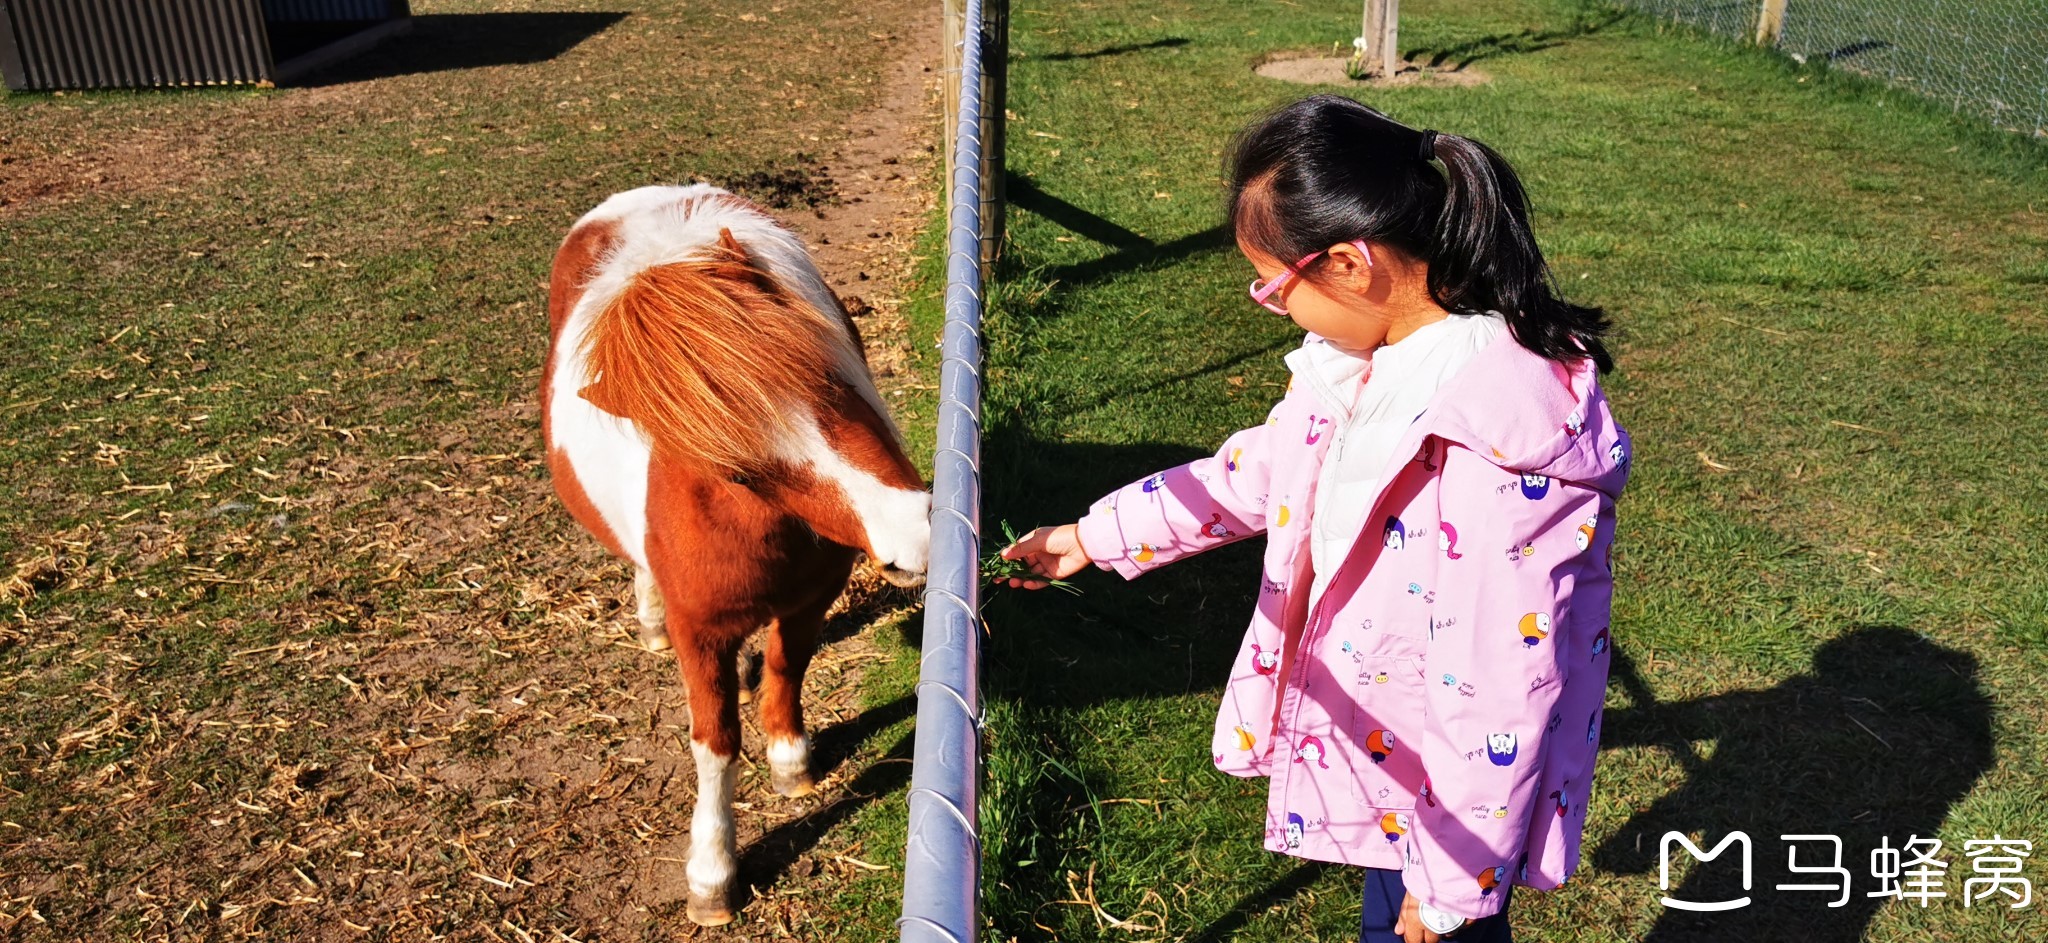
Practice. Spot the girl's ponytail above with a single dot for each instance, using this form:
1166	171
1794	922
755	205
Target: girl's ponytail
1484	257
1327	169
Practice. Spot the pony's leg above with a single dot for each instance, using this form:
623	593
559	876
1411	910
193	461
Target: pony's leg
652	613
750	672
707	665
792	640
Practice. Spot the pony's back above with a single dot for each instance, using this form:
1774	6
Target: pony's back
703	323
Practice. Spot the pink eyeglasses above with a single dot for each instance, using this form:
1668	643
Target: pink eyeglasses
1262	292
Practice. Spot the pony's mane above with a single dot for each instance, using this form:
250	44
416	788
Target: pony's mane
711	358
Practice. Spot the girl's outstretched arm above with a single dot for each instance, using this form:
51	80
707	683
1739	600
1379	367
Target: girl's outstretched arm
1199	506
1052	552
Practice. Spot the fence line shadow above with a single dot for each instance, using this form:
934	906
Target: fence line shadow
1252	905
1168	43
1516	43
1132	251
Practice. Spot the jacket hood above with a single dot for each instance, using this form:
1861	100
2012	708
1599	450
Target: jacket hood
1534	415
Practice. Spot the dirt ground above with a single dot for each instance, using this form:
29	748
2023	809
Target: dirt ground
455	736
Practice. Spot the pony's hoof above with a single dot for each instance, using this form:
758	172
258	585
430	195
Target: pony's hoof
705	912
656	639
792	785
746	696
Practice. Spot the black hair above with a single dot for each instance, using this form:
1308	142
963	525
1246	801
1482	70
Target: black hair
1327	170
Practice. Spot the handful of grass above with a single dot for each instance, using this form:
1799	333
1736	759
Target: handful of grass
996	568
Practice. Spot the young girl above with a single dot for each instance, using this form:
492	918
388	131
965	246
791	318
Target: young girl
1423	675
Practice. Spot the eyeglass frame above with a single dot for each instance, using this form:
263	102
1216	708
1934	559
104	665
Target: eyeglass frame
1260	292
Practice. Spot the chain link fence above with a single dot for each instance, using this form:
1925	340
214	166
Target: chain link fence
1987	57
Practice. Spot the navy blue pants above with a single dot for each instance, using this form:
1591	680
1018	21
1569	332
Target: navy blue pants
1383	895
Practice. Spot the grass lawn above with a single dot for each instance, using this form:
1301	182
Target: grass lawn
1833	600
295	642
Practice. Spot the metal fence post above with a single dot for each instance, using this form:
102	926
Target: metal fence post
942	857
1770	23
995	81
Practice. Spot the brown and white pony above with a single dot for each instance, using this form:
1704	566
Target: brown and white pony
709	415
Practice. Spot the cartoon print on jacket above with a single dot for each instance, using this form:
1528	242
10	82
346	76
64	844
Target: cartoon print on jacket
1499	464
1214	530
1297	827
1380	743
1154	483
1535	627
1501	748
1447	540
1395	536
1587	530
1394	825
1264	661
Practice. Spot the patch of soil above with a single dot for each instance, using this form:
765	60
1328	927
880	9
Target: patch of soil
864	235
1308	68
805	186
121	160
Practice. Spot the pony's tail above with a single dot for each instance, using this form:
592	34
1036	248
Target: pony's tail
711	359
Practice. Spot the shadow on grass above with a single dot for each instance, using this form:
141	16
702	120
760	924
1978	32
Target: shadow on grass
1167	43
1463	54
443	42
1133	252
764	861
1241	913
1877	740
1875	743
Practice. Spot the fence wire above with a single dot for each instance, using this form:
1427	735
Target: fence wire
1988	57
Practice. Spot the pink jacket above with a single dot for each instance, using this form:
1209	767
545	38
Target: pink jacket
1439	711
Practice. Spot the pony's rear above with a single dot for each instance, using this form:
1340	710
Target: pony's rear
709	416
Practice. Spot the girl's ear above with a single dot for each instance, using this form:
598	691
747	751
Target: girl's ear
1348	262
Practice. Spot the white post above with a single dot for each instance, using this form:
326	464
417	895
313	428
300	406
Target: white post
1390	47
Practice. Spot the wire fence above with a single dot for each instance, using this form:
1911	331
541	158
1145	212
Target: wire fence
1984	57
942	860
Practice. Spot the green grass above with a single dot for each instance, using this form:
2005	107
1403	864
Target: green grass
1832	587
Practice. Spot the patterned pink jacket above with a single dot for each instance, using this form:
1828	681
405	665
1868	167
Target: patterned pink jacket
1439	711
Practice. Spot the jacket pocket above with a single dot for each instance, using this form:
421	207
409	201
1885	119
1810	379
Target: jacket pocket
1386	726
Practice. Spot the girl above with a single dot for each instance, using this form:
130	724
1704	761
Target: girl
1423	675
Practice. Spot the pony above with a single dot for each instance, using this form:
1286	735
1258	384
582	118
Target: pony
708	415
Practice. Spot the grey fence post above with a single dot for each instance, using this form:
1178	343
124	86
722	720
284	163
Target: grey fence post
942	859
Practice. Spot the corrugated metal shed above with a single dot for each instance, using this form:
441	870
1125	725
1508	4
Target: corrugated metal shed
79	44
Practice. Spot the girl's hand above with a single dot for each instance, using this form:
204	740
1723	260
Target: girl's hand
1409	926
1052	552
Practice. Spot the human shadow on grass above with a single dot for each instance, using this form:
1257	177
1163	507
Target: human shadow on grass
1106	51
1130	251
1461	55
1877	741
443	42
